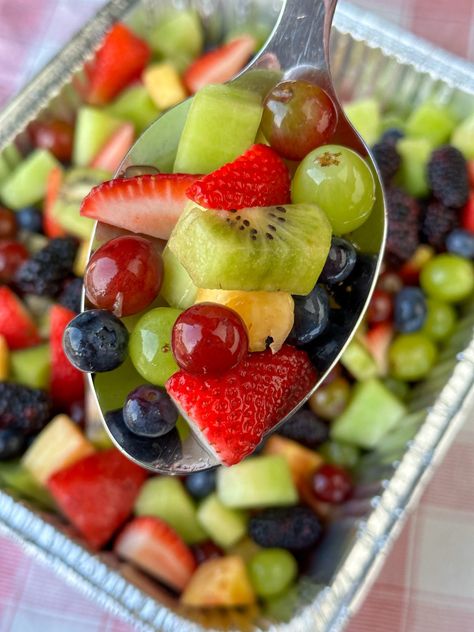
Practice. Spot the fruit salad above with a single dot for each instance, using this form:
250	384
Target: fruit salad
246	535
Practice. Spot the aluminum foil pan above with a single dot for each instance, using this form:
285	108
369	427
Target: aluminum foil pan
369	57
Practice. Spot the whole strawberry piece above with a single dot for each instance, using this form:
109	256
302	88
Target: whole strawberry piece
257	178
67	383
233	411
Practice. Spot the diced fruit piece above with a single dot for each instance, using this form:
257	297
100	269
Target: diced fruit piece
345	455
51	226
205	551
381	307
14	476
431	121
148	204
272	571
219	65
412	356
113	152
377	340
150	345
412	176
67	383
448	278
298	116
94	128
275	248
261	481
82	258
97	493
358	361
340	182
124	275
75	185
440	320
372	411
257	178
4	359
223	525
282	607
12	255
135	105
467	214
164	85
222	582
209	339
55	135
364	115
463	137
234	410
27	184
178	290
8	223
330	400
302	462
58	446
31	367
166	498
410	271
331	484
120	59
245	549
10	158
221	124
177	32
156	548
293	528
265	314
96	340
16	324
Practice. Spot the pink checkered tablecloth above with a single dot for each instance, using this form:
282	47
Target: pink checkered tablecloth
427	583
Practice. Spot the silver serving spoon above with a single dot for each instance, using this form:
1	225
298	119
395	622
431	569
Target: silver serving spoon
298	48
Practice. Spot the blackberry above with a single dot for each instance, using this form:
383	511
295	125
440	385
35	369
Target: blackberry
437	222
22	408
305	428
71	295
46	271
387	158
447	176
293	528
403	224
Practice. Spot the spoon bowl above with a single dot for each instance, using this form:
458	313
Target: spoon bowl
297	49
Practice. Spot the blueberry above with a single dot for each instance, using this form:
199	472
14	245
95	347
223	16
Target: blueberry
410	310
30	219
305	428
461	242
340	262
149	412
392	135
96	341
12	443
293	528
311	316
201	484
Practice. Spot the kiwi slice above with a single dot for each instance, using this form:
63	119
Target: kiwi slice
273	248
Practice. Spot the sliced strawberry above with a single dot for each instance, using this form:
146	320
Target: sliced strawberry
470	172
67	382
97	493
16	324
219	65
155	547
119	61
377	340
149	204
53	185
467	214
234	410
257	178
114	150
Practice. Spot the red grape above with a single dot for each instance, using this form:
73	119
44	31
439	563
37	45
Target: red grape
380	308
331	484
12	255
124	275
209	339
57	136
298	116
7	223
205	551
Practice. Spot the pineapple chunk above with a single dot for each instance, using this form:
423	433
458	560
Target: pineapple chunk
81	258
59	445
4	359
164	85
302	461
219	582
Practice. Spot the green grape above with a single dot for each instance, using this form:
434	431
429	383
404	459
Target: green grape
340	182
271	571
150	345
448	278
339	453
440	320
411	356
282	607
329	401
